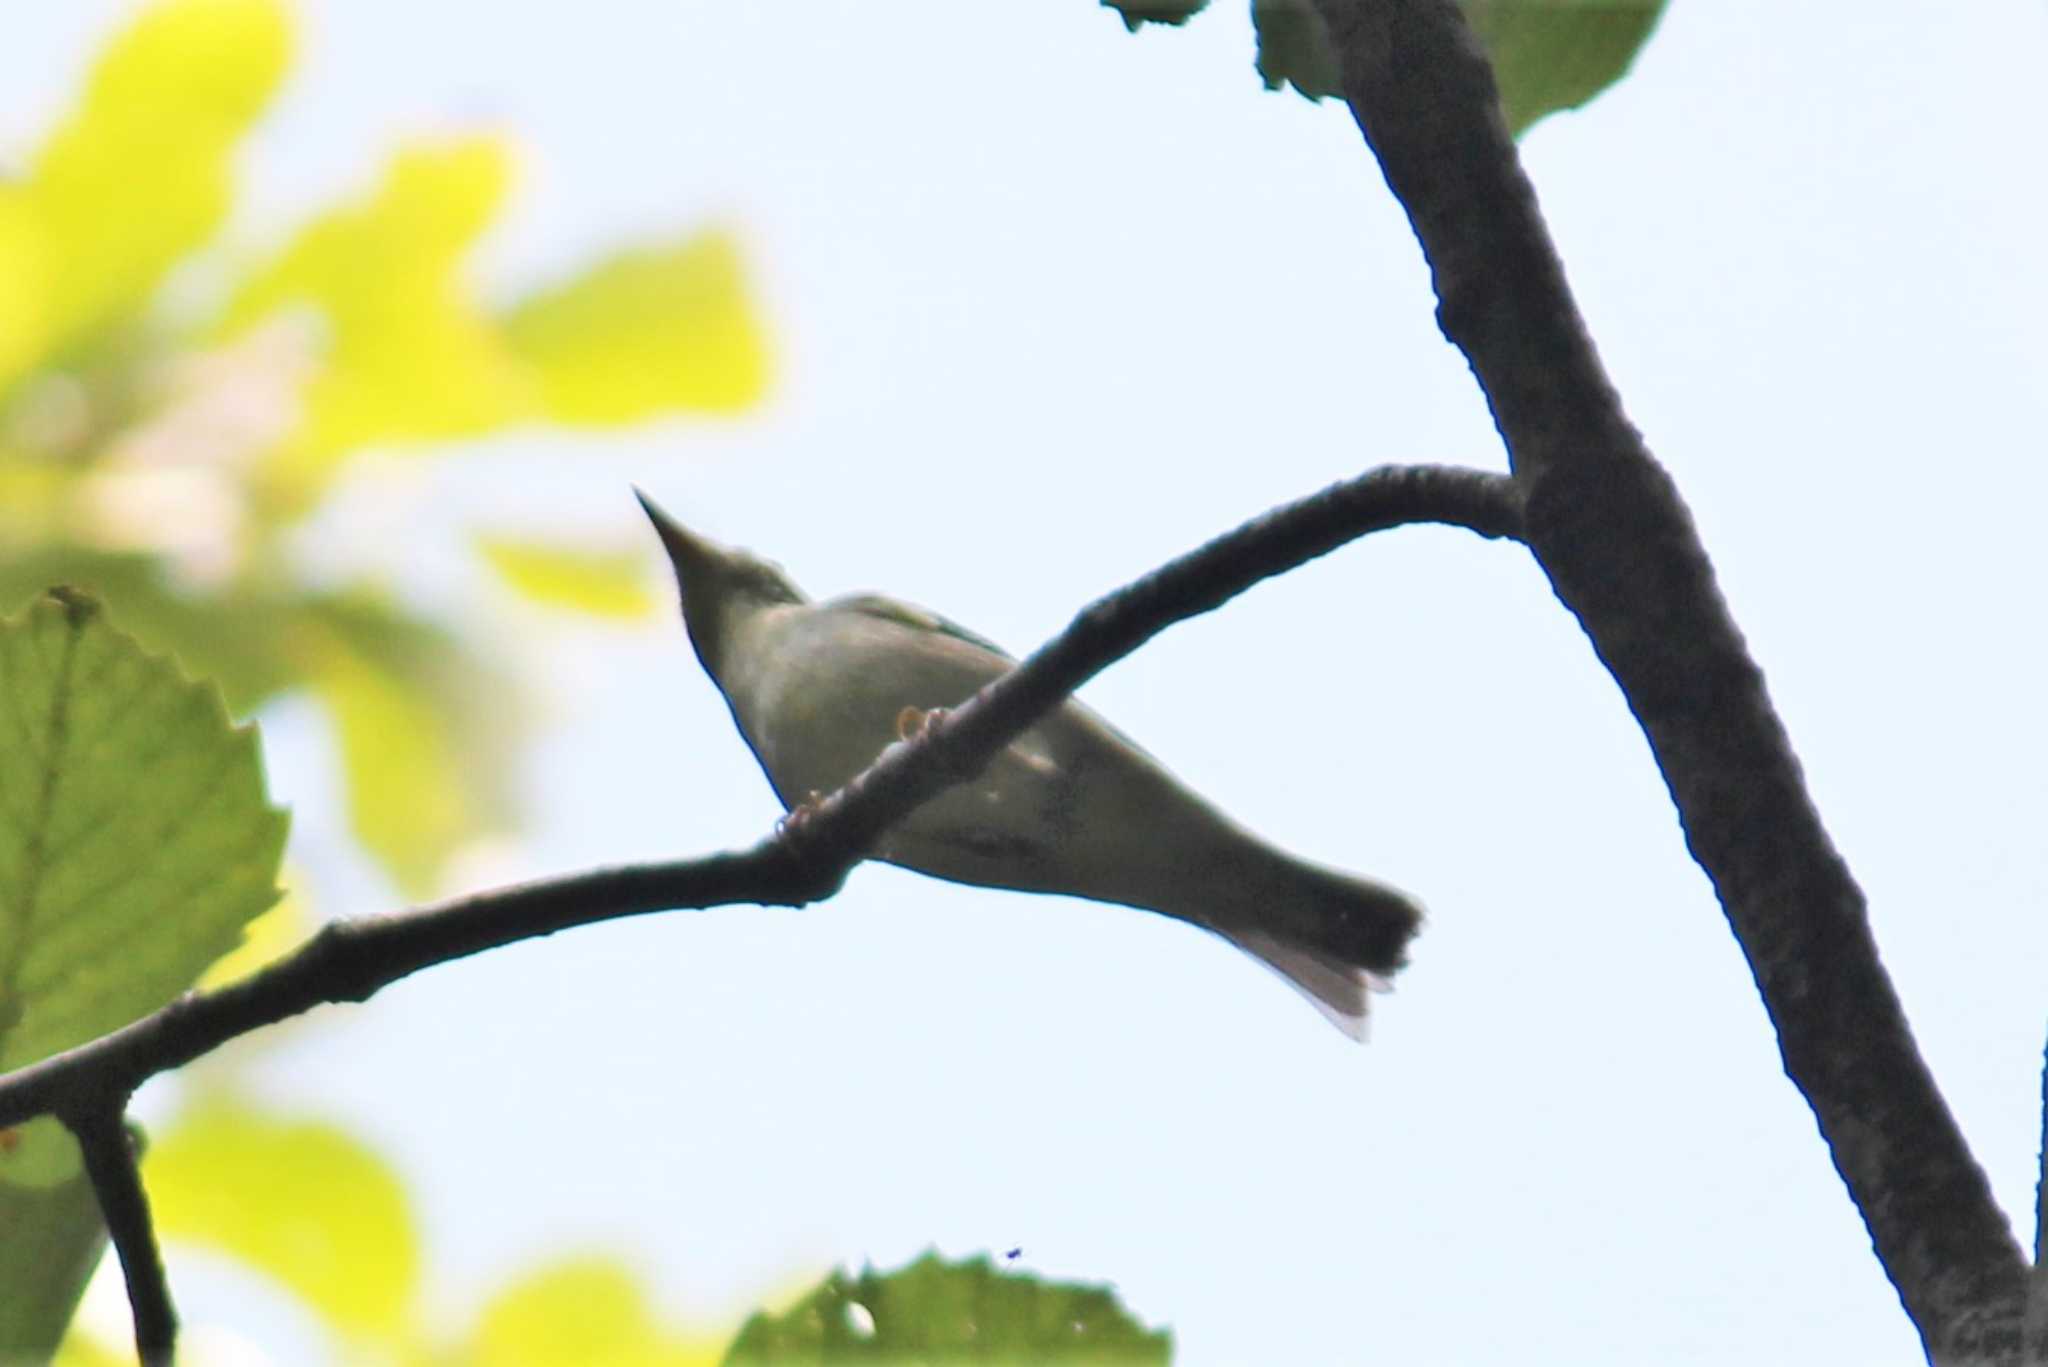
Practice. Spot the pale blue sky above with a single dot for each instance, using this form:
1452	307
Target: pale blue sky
1053	303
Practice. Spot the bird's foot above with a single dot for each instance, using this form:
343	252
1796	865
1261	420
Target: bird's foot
912	723
793	821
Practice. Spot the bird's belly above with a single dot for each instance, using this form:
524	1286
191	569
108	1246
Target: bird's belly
991	832
1047	814
1020	823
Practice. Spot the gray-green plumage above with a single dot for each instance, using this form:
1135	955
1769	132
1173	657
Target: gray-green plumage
1072	806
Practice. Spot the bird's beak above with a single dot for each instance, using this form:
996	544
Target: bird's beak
691	554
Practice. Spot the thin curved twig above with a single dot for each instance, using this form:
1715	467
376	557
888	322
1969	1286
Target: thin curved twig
1115	625
1607	525
110	1164
350	960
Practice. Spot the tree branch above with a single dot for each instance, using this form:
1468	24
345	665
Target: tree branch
349	961
2041	1182
1117	624
2036	1317
1608	526
110	1164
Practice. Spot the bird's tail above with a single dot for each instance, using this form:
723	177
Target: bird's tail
1336	938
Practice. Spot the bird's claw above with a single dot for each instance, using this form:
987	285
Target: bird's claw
792	823
912	723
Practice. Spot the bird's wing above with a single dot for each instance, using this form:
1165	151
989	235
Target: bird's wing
909	615
917	619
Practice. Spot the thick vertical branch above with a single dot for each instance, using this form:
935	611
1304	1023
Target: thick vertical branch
1610	530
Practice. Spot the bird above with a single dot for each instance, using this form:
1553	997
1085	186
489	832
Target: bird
1072	806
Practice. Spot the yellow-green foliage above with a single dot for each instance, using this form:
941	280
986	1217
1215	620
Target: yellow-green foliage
159	443
1547	55
932	1310
308	1205
136	842
163	427
135	837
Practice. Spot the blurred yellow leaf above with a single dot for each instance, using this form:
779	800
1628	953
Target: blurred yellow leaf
81	1349
24	285
138	174
427	730
300	1200
410	356
648	331
406	797
264	940
589	1312
604	583
165	456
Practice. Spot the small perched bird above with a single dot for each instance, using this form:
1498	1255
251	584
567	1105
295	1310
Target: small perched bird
1072	806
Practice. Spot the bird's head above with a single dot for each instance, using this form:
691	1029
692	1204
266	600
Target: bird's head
722	587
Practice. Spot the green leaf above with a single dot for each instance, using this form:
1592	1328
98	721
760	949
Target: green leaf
1294	47
54	1241
139	173
1558	54
965	1311
586	1310
602	583
135	842
1138	12
1547	55
300	1200
646	332
237	640
135	838
39	1155
427	728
